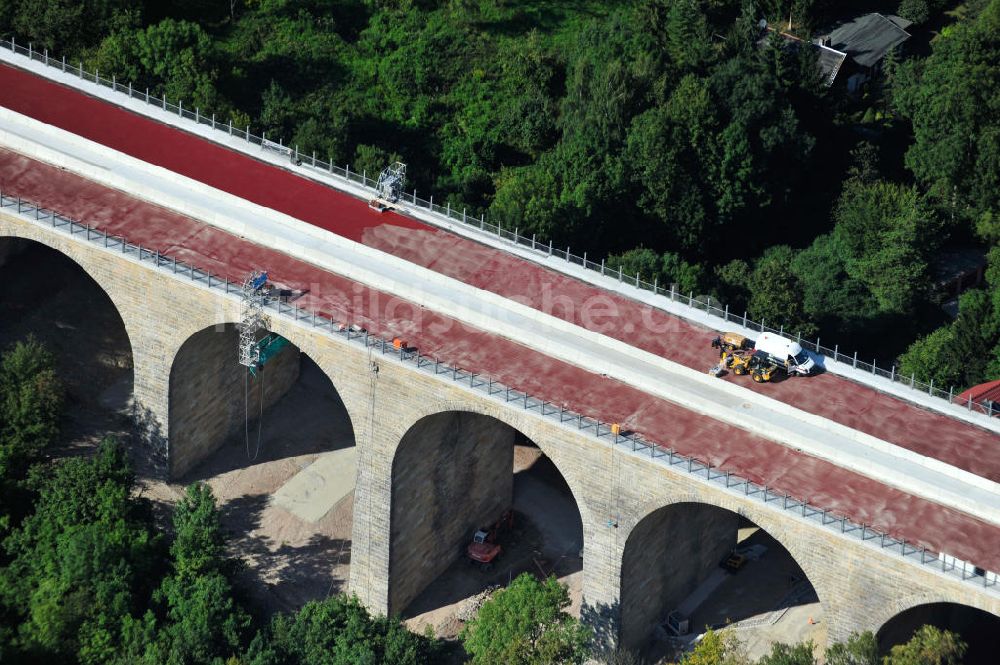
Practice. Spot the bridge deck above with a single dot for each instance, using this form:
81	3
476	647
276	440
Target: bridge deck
825	484
860	407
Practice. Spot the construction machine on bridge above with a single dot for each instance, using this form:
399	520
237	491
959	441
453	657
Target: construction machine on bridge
730	342
760	368
763	358
485	548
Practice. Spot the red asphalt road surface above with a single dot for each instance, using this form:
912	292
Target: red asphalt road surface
836	398
965	446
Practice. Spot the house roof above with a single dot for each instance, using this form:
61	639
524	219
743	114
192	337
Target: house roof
828	60
866	39
984	391
954	263
899	21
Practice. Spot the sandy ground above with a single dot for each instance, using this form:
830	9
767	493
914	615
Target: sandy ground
769	600
290	559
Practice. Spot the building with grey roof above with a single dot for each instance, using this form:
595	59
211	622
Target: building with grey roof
865	41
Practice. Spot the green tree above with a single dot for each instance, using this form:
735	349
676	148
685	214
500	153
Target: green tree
722	151
917	11
689	277
966	351
864	163
31	401
172	58
666	146
66	26
688	35
925	359
830	296
718	648
204	622
194	616
82	562
504	114
339	631
949	99
370	160
776	292
762	149
859	649
885	234
526	624
640	261
733	284
974	333
787	654
929	646
198	547
666	269
528	198
988	227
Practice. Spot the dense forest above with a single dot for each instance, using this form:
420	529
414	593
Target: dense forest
663	135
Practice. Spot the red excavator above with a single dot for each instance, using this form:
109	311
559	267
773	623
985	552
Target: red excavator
484	548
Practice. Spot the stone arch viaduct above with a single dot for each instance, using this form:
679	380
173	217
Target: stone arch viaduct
428	472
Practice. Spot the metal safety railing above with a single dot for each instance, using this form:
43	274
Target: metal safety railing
627	442
543	250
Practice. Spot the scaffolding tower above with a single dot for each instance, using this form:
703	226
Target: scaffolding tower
391	181
256	296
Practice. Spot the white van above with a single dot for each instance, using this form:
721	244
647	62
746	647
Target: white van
785	353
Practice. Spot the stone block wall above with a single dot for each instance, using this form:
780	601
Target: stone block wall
453	474
666	557
860	586
211	394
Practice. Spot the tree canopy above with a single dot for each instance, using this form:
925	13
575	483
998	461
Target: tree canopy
525	624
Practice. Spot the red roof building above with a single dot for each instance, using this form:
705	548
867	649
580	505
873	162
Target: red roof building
985	396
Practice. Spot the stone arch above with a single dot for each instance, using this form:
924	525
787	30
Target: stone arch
963	613
125	284
91	331
767	519
528	425
210	393
451	472
649	590
11	245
